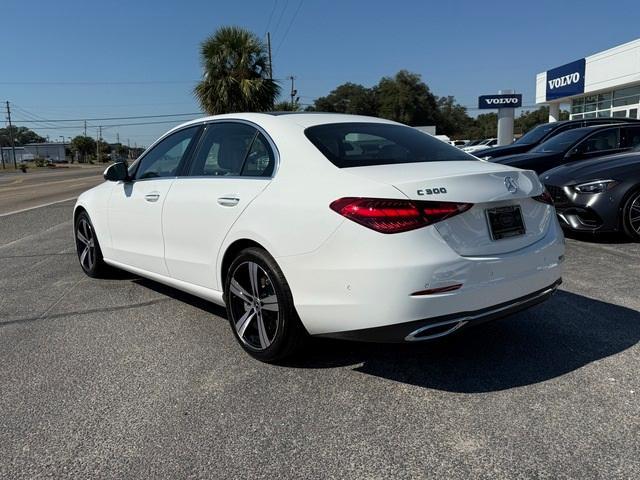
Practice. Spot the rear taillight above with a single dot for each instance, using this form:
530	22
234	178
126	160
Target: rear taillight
395	216
544	198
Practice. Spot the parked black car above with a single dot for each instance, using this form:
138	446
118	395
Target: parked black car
577	144
598	195
543	132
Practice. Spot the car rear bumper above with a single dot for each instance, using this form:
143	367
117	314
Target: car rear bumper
433	328
360	279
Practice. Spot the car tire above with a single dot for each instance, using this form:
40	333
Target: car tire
631	216
260	307
88	247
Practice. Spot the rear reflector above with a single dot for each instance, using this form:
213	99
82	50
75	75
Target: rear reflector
395	216
431	291
544	198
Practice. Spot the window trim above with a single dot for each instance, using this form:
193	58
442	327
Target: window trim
259	129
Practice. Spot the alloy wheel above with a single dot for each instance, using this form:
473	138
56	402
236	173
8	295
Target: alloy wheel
86	244
254	306
634	215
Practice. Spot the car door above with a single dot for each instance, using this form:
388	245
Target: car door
135	207
233	163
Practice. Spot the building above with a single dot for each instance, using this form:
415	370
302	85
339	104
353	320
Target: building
7	155
606	84
54	151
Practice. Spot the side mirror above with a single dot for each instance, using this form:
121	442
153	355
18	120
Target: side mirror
117	172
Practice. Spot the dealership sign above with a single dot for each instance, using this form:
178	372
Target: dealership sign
566	80
511	100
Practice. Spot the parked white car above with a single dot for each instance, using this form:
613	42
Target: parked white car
324	224
488	143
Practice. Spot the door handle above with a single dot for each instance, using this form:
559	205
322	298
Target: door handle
152	197
228	201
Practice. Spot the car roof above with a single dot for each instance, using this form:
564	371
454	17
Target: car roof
597	121
591	128
303	119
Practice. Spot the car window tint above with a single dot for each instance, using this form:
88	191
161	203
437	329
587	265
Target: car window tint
599	141
223	149
260	161
363	144
163	159
632	137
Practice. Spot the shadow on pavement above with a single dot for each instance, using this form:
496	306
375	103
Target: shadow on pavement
608	238
547	341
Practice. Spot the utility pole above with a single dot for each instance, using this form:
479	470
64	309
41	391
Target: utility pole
13	147
269	49
99	135
293	90
85	128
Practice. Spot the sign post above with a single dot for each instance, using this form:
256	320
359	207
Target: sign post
506	101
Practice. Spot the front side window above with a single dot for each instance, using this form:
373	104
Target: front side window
223	149
600	141
365	144
165	157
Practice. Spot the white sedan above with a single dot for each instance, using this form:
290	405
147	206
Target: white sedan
324	224
488	143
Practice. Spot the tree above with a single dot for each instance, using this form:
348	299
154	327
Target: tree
348	98
21	136
529	119
406	98
453	118
85	146
286	107
236	73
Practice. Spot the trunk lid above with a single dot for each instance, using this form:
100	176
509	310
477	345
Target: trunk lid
482	183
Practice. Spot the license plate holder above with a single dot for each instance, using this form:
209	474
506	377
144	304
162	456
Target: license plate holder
505	222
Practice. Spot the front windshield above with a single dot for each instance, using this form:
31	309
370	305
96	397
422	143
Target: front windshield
535	134
561	142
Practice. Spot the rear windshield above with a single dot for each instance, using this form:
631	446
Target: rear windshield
364	144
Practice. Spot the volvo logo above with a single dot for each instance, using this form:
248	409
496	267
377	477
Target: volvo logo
501	101
564	80
511	184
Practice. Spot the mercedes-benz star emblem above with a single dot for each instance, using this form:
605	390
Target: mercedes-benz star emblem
511	184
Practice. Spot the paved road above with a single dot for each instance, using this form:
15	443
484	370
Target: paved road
19	191
126	378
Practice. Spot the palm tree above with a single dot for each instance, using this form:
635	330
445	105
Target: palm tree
236	74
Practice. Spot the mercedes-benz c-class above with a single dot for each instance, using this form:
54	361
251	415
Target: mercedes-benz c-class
326	225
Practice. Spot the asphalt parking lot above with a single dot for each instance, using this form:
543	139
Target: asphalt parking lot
126	378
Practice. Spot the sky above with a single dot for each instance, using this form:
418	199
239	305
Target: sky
90	59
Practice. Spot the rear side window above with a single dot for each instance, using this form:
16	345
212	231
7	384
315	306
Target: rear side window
631	137
364	144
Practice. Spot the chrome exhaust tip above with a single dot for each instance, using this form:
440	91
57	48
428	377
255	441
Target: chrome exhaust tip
436	330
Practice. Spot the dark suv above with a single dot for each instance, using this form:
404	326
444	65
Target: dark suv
576	145
542	133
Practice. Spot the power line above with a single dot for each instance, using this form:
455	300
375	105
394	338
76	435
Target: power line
286	32
275	4
286	3
126	82
116	118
